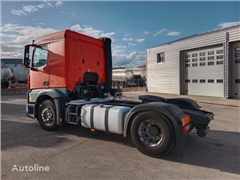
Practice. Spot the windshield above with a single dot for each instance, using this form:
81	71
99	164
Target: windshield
40	56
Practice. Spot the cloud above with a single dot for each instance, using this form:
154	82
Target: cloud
139	40
127	34
11	50
30	8
170	33
228	24
173	33
118	50
110	34
40	24
132	55
24	34
14	37
123	59
18	12
88	30
131	39
59	3
160	32
76	27
133	59
131	44
127	39
33	8
146	32
71	13
138	61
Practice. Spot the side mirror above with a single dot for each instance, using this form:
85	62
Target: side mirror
26	60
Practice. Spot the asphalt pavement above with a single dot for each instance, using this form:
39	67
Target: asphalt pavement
77	153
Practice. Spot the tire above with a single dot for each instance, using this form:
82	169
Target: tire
4	84
47	115
152	134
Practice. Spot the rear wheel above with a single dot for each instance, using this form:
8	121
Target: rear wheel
152	134
47	115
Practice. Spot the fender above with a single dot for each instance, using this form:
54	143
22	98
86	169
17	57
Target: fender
171	111
180	102
58	95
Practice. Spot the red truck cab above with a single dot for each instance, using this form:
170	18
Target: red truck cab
61	59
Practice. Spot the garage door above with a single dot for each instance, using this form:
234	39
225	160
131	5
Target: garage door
203	72
235	61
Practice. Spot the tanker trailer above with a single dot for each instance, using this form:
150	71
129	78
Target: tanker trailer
6	74
129	77
20	73
139	76
122	75
139	72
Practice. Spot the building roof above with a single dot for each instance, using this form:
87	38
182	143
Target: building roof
200	34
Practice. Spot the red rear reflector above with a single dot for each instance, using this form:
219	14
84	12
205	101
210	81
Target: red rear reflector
186	125
186	129
185	120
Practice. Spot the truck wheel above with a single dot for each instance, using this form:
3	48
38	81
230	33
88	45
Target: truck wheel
4	84
152	134
47	115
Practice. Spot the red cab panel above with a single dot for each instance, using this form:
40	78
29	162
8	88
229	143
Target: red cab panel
61	59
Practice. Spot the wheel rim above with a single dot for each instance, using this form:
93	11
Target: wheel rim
47	115
150	133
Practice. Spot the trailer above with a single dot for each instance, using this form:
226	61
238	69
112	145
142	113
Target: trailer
6	74
129	77
15	78
70	82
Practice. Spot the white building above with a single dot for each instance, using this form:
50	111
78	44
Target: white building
206	64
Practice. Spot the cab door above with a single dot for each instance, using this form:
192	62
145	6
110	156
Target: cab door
39	73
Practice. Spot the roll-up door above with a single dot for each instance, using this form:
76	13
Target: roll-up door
235	61
203	72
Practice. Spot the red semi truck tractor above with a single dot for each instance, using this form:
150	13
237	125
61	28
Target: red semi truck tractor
70	82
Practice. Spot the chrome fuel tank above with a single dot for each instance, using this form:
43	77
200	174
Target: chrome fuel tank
107	118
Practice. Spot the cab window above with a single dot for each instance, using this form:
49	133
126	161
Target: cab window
40	56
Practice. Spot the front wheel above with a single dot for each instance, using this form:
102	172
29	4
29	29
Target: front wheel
47	115
152	134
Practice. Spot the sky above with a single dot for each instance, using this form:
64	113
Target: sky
133	26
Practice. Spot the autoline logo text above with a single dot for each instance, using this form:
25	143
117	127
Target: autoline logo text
34	168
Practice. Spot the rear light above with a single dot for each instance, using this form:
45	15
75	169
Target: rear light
186	128
186	124
185	120
28	81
